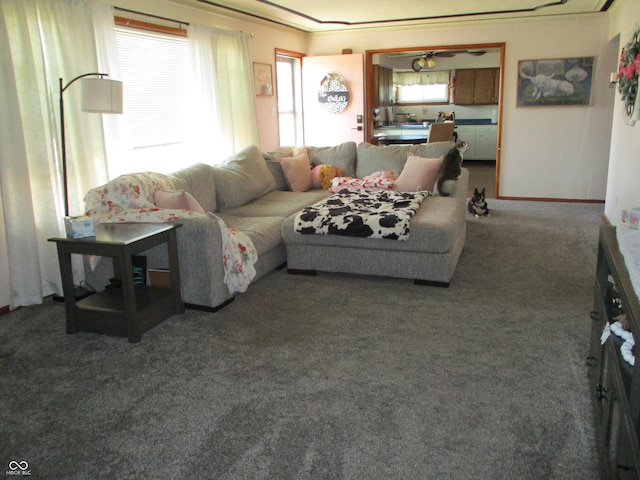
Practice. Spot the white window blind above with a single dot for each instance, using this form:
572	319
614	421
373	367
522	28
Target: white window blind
154	68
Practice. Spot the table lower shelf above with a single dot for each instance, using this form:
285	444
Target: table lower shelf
104	312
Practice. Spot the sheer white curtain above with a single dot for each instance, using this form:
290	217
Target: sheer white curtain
41	41
224	98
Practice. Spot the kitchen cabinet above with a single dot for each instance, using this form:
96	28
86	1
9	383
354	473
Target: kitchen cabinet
477	86
486	142
383	85
482	139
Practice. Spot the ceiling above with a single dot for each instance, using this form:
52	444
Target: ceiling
327	15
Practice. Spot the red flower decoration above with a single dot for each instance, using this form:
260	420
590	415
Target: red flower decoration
628	72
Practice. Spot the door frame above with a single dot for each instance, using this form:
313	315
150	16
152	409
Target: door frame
371	100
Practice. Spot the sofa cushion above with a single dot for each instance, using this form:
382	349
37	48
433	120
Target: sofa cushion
276	170
372	158
418	174
297	172
342	156
198	181
264	232
178	199
242	177
279	203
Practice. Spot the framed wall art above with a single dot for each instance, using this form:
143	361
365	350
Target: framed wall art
555	82
263	79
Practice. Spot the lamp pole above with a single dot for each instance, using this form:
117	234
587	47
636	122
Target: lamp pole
65	185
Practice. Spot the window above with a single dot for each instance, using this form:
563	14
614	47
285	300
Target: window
288	77
437	93
423	87
153	67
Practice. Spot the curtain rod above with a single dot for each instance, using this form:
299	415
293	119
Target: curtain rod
179	22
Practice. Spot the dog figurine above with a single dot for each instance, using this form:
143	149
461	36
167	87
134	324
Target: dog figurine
478	204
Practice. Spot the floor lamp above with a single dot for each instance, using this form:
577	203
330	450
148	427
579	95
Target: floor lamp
99	95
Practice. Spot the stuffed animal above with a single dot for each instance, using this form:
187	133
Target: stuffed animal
478	204
323	174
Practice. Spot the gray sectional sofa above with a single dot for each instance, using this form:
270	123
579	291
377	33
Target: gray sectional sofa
250	193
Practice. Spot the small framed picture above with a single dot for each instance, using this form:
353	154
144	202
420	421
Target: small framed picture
263	79
555	82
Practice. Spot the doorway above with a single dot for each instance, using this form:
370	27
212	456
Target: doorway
480	172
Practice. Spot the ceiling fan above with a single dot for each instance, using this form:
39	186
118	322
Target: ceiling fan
428	59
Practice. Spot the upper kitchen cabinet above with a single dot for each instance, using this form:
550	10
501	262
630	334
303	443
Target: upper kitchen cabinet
383	84
477	86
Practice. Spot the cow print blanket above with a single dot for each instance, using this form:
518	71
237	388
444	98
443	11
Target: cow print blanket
361	213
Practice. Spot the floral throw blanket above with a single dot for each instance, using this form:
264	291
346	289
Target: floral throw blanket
362	213
130	199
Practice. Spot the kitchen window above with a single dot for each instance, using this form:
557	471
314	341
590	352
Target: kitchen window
422	87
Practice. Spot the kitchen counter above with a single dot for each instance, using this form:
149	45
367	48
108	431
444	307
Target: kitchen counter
418	126
402	139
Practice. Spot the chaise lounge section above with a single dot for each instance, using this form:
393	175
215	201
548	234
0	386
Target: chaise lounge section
429	256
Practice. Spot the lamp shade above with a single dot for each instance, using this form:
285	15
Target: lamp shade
101	95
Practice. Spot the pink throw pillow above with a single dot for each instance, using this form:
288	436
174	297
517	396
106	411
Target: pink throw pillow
297	172
418	174
179	200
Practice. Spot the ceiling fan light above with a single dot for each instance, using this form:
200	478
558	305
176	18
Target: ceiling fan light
422	62
431	62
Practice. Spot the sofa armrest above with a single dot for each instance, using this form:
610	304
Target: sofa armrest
200	257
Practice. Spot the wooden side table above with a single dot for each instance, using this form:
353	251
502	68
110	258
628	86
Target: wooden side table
133	309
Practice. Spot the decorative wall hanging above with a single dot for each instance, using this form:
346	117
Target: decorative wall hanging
627	78
555	82
262	79
333	95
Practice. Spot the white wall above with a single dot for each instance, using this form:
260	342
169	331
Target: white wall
623	186
547	152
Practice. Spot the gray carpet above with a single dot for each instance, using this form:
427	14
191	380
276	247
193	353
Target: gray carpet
331	377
